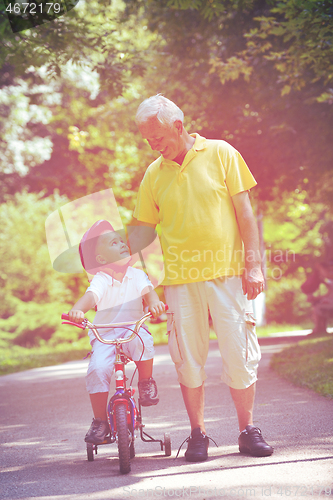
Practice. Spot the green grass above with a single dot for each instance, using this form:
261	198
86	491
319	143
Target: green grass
16	358
308	364
266	331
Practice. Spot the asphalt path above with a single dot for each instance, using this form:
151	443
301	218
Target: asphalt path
45	414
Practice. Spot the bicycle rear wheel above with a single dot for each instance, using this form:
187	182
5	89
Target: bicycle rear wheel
123	436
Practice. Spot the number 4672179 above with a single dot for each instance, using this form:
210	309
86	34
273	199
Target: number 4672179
33	8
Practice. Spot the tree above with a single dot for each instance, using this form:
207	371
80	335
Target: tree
209	65
90	34
296	35
58	82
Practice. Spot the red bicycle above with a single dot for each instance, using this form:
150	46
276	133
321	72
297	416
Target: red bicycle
124	415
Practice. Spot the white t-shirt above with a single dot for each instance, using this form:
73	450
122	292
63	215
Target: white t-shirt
118	302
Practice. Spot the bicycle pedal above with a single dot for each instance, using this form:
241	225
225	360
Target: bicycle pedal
107	439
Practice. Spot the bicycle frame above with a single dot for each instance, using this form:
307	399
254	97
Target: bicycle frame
121	396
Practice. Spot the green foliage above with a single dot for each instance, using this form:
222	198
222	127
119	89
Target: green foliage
32	323
26	269
89	34
285	303
308	364
8	305
295	35
302	50
20	146
294	237
294	225
58	83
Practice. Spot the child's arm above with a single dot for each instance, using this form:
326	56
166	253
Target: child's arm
83	305
155	305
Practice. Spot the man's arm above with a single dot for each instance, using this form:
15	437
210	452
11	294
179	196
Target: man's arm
140	235
253	279
136	222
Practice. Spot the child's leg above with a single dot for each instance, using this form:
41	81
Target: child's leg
99	428
147	385
98	402
145	368
99	376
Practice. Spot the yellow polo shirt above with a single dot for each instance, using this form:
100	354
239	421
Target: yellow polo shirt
192	203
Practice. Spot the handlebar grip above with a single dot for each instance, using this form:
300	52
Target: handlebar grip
69	322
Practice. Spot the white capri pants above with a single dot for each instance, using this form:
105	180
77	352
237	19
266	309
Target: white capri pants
234	325
103	357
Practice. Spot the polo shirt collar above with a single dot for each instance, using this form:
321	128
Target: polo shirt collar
128	275
200	142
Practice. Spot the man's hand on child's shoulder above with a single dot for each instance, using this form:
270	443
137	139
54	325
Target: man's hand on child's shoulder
76	316
156	308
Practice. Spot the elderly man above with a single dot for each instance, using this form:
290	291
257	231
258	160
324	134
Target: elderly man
197	190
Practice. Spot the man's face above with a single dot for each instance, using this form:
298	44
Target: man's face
111	248
163	138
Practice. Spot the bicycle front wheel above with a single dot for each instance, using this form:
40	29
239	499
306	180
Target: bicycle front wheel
123	436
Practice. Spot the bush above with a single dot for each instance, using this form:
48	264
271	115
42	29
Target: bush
8	305
286	303
33	323
27	273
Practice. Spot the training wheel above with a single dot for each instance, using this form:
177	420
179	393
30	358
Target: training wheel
90	452
167	445
132	449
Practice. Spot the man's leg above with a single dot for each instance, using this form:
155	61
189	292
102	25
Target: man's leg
244	401
197	448
235	329
188	331
194	403
250	440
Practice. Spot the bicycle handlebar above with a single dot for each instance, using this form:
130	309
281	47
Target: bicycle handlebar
86	323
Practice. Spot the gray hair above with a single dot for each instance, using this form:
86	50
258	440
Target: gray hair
166	111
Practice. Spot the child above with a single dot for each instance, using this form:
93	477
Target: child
117	290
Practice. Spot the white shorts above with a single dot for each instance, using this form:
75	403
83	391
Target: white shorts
103	357
234	325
